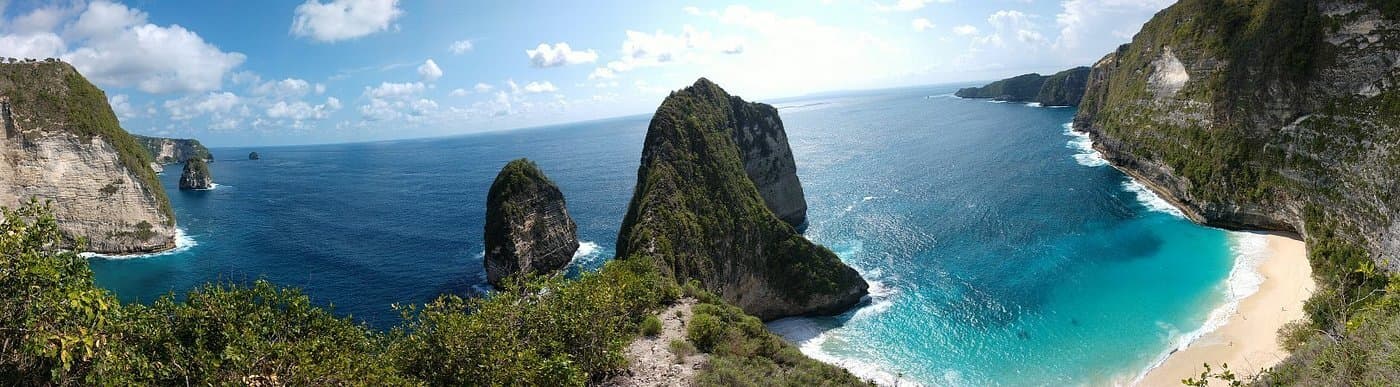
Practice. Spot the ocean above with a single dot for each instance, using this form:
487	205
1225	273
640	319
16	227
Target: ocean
1000	248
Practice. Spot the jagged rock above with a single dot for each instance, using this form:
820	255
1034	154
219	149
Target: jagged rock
763	144
697	214
1289	124
528	228
63	143
196	175
253	156
173	150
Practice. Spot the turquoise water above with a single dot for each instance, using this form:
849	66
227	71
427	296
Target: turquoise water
1001	250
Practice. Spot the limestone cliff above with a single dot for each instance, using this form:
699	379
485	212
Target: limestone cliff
173	150
196	175
528	228
1276	115
63	143
1064	88
763	145
697	215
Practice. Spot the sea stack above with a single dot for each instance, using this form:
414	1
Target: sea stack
763	144
697	212
253	156
63	143
196	175
528	228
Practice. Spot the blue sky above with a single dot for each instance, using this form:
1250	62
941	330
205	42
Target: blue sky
318	71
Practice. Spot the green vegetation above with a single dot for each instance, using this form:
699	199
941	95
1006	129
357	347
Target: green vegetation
184	149
651	326
1064	88
1021	88
59	328
681	349
694	209
743	353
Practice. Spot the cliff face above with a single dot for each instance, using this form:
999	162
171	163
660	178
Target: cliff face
698	216
173	150
763	145
62	143
1277	115
528	228
1064	88
196	175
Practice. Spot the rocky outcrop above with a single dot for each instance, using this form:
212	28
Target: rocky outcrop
1064	88
697	214
254	156
1275	116
763	145
528	228
196	175
173	150
63	143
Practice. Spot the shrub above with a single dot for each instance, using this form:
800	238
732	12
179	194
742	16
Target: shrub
651	326
681	349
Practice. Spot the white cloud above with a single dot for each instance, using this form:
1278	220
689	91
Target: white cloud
965	30
458	93
460	47
558	55
540	87
379	110
114	46
394	90
343	19
121	105
482	87
922	24
424	106
301	111
290	87
602	73
429	71
193	106
906	5
1091	28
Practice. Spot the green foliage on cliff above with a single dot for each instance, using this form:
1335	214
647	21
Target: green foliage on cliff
1021	88
55	89
1064	88
696	214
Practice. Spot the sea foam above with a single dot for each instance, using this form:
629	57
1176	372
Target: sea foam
1150	199
587	253
183	242
1250	250
1087	156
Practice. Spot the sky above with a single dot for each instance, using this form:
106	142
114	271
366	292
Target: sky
260	72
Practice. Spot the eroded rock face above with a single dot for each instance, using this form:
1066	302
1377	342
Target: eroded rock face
174	150
196	175
698	215
62	143
528	228
768	161
1287	125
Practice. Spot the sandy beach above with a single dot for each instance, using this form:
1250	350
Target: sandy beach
1248	342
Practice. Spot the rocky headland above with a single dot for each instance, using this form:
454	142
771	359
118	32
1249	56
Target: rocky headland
697	212
174	150
62	142
528	228
1064	88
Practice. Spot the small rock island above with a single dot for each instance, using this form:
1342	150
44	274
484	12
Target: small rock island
253	156
196	175
528	228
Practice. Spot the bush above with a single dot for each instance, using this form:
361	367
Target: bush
681	349
651	326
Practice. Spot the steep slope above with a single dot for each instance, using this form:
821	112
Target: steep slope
528	228
1064	88
63	143
196	175
696	214
1258	114
173	150
763	145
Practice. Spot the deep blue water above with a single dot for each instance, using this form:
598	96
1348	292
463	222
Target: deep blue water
1001	254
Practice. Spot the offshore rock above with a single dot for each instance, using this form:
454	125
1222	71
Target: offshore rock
528	228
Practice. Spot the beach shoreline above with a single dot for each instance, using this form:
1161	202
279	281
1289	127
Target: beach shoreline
1248	340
